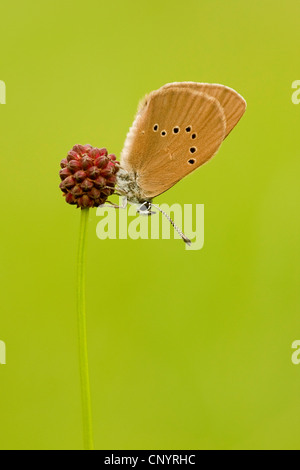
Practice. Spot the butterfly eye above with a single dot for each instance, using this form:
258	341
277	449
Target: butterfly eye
155	127
191	161
163	133
194	136
176	130
193	149
188	129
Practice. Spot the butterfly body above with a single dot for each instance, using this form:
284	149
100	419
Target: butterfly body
127	184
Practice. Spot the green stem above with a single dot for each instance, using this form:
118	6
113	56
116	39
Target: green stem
83	354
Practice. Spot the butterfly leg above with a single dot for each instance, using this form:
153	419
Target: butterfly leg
115	206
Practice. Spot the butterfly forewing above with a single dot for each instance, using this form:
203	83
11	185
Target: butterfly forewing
176	130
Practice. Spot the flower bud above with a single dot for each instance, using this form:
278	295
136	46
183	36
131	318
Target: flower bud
100	182
64	173
101	161
107	171
85	201
76	191
87	162
62	187
103	151
87	185
69	182
73	156
93	172
74	165
70	199
94	193
81	150
94	153
111	180
80	176
106	192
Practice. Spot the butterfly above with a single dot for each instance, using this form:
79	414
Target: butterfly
177	128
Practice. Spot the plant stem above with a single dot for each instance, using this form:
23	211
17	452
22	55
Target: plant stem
82	339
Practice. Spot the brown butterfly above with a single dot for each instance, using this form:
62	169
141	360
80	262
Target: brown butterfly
177	128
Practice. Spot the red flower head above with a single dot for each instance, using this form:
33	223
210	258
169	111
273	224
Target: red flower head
88	176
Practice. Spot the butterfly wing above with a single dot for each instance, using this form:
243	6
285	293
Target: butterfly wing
232	102
176	130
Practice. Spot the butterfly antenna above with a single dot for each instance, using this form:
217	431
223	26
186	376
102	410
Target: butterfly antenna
184	238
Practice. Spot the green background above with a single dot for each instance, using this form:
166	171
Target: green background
188	349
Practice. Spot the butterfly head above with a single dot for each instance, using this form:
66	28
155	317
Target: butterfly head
145	209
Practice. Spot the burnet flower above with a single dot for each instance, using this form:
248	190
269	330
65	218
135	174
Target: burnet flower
88	176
